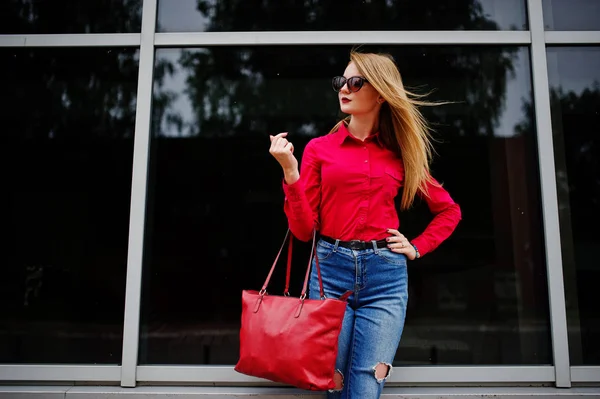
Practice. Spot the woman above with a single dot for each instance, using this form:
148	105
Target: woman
346	189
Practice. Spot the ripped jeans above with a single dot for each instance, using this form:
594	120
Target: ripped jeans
374	316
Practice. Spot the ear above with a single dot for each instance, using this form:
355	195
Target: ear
380	100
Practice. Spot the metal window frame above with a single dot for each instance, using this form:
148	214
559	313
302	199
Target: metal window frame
25	372
148	41
340	37
570	37
223	375
556	292
141	150
541	40
585	373
72	40
578	374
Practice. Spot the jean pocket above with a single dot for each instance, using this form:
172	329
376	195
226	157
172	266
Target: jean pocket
392	257
324	251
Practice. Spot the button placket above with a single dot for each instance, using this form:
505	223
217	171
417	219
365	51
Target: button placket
364	204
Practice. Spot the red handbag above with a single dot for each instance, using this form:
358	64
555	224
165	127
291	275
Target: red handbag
291	340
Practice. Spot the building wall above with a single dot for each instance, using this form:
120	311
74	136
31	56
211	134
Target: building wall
140	197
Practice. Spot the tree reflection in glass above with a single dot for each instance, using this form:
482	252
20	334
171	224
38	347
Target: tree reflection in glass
215	203
331	15
67	153
574	75
65	16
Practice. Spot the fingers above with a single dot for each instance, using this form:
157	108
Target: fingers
279	143
282	134
397	241
282	146
283	151
399	244
273	138
396	236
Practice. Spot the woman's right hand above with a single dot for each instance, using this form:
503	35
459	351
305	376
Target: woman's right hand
283	151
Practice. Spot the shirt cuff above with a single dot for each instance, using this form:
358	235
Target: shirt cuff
421	245
293	192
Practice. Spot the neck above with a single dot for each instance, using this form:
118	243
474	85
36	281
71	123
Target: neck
362	126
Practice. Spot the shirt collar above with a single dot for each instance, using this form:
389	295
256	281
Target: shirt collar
343	135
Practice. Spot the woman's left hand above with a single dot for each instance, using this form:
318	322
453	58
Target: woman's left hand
399	244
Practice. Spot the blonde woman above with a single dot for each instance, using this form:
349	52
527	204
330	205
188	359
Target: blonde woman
346	189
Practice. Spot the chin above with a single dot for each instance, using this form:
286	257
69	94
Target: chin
346	109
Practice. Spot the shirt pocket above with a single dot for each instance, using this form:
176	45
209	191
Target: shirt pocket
394	179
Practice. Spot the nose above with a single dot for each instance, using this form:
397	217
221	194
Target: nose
345	88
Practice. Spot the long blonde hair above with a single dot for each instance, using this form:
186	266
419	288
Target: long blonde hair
402	127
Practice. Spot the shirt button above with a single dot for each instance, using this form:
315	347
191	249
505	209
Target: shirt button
366	160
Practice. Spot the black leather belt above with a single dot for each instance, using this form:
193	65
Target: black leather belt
356	245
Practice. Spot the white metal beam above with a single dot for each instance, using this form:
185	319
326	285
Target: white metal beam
30	372
556	292
578	37
337	37
72	40
586	374
137	214
422	374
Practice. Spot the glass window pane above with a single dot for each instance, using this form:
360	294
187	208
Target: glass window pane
215	215
571	14
66	154
331	15
67	16
574	75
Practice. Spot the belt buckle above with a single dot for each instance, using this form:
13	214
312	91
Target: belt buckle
356	245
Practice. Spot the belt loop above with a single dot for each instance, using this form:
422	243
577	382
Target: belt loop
335	246
375	249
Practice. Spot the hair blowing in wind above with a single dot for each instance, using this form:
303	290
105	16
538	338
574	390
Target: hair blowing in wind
402	127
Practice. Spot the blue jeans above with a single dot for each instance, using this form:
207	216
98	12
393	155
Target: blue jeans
374	316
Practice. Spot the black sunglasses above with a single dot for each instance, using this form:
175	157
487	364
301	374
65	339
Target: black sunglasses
355	83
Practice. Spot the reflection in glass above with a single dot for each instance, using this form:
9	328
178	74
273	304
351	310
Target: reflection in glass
330	15
67	16
574	75
215	217
66	153
571	14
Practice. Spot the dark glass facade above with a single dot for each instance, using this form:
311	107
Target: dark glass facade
67	16
216	78
574	75
572	15
67	150
332	15
215	214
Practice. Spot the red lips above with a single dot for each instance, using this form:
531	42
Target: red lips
345	100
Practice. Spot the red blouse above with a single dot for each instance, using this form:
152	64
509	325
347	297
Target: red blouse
347	189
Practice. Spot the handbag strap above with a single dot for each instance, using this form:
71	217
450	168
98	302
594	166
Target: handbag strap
319	272
263	290
313	253
286	291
